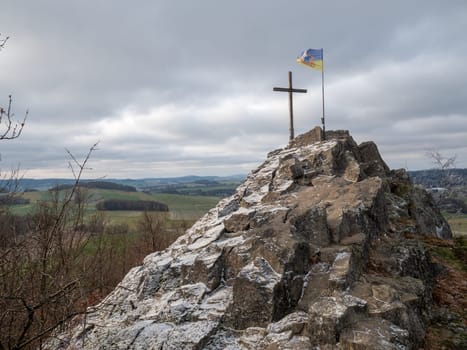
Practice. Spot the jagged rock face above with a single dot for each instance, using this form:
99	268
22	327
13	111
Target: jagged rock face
309	252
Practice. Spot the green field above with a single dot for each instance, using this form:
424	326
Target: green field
181	207
186	207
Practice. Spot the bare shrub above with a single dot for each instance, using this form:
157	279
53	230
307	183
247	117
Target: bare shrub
96	223
41	274
117	229
156	234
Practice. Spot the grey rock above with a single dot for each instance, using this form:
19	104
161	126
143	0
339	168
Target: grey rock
340	272
293	322
375	334
308	253
253	295
330	315
238	222
373	164
312	226
428	219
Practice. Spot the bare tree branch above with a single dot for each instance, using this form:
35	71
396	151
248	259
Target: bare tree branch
3	41
47	330
441	162
13	129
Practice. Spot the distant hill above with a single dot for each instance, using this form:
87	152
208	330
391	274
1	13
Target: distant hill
140	184
103	185
219	186
437	178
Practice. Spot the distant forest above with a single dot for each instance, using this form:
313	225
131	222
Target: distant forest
103	185
12	200
439	178
138	205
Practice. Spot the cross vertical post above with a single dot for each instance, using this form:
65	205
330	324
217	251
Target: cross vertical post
290	90
322	94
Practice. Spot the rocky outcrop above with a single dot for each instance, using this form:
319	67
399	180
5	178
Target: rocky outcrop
310	252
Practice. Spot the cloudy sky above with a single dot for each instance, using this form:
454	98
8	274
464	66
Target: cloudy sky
173	88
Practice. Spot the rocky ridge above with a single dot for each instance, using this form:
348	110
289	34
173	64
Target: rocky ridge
309	253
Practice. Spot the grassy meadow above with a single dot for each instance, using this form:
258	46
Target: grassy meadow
181	207
458	223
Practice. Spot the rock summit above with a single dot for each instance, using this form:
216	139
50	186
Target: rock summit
316	249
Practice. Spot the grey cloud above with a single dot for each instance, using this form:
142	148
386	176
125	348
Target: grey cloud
395	74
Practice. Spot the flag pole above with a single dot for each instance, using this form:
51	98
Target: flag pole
322	93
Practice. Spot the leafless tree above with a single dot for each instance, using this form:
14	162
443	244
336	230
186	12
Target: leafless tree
441	162
444	165
447	198
9	129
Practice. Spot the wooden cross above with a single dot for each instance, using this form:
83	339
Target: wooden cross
290	90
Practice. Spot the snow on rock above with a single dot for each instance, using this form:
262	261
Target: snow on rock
289	261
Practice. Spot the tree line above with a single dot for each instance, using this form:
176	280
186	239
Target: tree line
137	205
104	185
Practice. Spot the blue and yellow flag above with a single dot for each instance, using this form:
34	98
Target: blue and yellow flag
312	58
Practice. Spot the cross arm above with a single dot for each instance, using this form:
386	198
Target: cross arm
289	90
